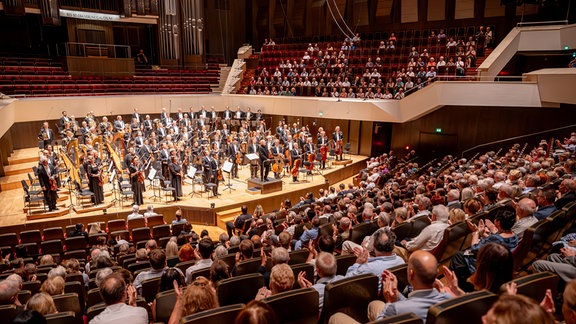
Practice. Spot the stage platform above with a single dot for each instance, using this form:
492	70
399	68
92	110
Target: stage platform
198	207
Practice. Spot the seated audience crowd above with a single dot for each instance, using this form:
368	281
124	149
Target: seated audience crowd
395	215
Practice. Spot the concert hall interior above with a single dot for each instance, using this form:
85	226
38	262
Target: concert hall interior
313	114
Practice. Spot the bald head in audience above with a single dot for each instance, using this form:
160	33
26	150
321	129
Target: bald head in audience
422	267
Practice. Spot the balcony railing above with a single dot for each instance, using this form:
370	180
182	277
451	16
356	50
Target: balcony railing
93	50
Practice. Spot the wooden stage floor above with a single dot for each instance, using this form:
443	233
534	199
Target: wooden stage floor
14	219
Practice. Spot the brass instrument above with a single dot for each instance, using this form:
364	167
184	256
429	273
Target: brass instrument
45	135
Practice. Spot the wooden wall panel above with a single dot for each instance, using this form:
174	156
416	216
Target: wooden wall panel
365	140
475	125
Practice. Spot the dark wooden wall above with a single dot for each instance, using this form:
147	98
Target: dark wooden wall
478	125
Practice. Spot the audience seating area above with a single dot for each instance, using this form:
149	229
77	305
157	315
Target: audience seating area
369	65
350	295
21	76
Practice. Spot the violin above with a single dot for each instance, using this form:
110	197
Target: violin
140	175
53	184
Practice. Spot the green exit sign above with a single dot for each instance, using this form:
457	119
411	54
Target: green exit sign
438	130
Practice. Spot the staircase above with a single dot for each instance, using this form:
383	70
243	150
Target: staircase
224	71
473	71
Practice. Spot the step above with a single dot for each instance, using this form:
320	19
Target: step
12	182
227	216
20	168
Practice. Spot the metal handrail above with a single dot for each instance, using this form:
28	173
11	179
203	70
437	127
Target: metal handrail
516	138
81	49
534	23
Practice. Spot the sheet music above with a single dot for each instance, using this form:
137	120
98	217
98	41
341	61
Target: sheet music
227	167
191	172
152	174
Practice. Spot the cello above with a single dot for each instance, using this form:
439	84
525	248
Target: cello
294	171
311	159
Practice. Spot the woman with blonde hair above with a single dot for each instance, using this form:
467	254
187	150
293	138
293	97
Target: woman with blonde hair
53	286
258	212
42	303
199	296
457	215
171	249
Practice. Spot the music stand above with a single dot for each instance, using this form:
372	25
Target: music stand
152	177
111	179
227	167
252	158
192	176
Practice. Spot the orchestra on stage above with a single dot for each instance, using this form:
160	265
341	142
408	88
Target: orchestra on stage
193	144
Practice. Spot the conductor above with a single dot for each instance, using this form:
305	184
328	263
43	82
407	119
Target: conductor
264	155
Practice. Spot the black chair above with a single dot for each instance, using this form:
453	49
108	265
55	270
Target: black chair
93	297
63	318
307	300
32	197
31	236
155	220
183	266
401	273
8	312
307	268
164	305
68	302
78	288
160	231
248	266
81	194
224	314
138	266
535	285
343	262
474	305
298	256
53	233
150	288
408	318
52	247
200	273
140	234
116	225
75	243
239	289
24	296
32	286
93	311
350	296
359	231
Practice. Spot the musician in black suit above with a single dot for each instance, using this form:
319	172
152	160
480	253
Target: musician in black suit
137	180
45	174
233	150
164	116
119	124
148	125
253	149
210	165
165	159
238	114
64	119
295	154
338	138
46	135
227	115
264	155
94	172
136	115
176	177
